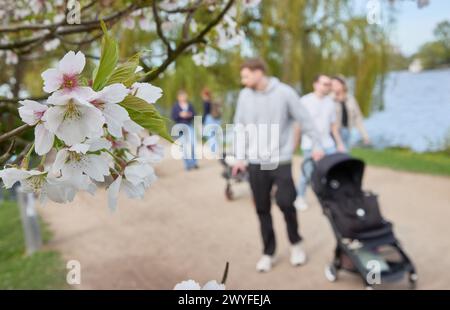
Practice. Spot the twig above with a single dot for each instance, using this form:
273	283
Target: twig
225	273
15	100
22	154
7	154
14	132
159	28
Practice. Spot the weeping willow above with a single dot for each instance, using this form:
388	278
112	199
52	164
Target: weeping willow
298	39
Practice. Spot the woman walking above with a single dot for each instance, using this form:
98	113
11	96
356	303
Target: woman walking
348	114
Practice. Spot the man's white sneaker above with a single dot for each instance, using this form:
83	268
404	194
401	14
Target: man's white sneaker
265	263
300	204
298	255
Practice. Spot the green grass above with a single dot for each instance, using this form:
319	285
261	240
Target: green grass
42	270
437	163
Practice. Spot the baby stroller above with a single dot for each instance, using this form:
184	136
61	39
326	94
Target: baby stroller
227	161
366	244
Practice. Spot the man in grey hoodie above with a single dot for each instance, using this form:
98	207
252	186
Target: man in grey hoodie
267	108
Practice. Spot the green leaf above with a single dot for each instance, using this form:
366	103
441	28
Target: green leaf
146	115
108	60
125	73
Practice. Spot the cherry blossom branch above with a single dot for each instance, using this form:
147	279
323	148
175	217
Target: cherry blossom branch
186	44
15	100
16	131
70	29
19	28
187	9
7	154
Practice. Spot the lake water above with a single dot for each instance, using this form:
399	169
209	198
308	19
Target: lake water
416	113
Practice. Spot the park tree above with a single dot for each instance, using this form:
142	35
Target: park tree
436	53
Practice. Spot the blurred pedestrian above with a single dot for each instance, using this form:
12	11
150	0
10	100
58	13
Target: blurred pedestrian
322	110
348	113
183	113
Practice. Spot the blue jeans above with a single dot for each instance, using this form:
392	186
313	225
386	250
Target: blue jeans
189	149
212	138
306	175
346	136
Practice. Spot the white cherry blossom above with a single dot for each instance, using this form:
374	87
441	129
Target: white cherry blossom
64	79
31	112
72	119
136	178
107	101
79	160
150	150
146	91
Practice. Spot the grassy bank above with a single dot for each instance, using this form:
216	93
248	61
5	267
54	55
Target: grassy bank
42	270
437	163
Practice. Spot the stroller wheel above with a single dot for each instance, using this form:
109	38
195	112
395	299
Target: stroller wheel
412	279
228	192
331	273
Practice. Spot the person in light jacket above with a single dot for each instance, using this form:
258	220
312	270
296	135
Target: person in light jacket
348	113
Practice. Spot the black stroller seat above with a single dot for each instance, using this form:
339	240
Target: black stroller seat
355	216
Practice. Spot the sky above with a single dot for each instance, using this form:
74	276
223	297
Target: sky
415	26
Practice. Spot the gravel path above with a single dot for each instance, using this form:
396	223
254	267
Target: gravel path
184	228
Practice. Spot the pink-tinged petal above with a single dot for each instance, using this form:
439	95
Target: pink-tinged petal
53	80
146	91
113	193
31	111
113	93
72	63
43	139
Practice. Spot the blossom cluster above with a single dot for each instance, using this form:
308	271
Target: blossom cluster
92	134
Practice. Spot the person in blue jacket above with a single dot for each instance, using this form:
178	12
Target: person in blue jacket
183	113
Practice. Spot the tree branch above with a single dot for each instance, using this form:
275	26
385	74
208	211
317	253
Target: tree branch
159	29
14	132
185	44
19	28
62	29
15	100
